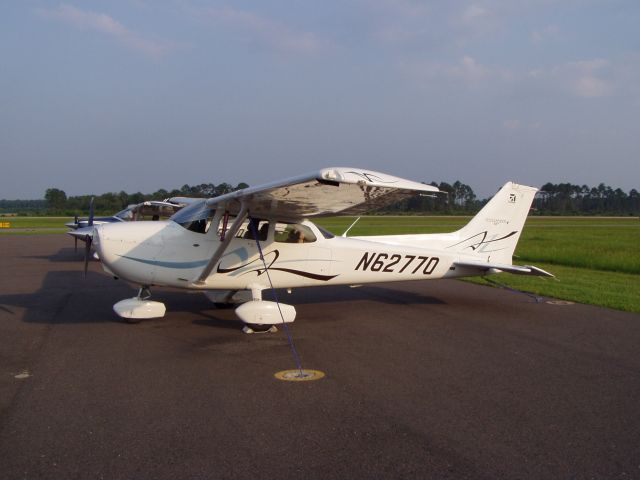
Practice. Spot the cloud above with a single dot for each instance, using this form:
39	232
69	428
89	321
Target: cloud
268	32
584	78
398	22
547	33
474	21
512	124
591	87
401	8
474	14
107	25
466	70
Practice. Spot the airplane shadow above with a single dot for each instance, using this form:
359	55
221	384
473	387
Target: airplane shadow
67	254
343	293
66	297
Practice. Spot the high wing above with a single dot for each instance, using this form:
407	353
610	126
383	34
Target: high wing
330	191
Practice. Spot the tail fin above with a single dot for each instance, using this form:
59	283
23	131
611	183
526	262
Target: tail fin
493	233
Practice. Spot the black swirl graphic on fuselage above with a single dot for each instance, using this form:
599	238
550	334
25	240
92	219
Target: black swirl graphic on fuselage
261	270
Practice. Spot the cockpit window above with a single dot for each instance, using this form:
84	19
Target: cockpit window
196	217
248	228
253	226
293	233
126	214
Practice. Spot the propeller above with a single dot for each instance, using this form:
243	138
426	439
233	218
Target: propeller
90	224
87	252
75	243
88	239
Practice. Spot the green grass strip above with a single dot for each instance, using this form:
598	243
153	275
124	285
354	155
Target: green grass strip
620	291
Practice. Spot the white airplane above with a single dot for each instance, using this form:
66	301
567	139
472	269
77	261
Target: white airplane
234	246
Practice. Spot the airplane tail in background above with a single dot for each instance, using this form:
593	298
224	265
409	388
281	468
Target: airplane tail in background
493	233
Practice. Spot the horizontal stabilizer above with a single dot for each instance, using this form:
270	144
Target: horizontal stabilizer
516	269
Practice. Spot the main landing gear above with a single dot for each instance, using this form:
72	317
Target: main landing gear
259	316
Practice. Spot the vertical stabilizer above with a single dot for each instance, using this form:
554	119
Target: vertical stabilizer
493	233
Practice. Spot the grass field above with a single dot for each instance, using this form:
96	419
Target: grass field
596	260
33	225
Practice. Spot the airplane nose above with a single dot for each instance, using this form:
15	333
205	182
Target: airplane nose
96	237
101	246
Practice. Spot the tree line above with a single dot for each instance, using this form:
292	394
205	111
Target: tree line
568	199
56	201
459	199
552	199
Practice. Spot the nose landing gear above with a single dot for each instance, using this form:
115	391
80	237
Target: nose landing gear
139	307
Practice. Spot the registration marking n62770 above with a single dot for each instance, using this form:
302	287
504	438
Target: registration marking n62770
390	263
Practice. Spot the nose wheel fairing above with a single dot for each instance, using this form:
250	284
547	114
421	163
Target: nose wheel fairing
140	307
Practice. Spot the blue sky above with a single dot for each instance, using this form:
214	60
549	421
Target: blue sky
138	95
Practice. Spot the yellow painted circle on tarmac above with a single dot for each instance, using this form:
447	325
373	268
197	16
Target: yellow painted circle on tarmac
304	375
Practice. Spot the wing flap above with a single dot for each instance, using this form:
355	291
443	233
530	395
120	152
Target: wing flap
515	269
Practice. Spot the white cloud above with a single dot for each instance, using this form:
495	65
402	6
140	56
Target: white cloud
544	34
512	124
584	78
466	70
107	25
401	8
592	87
474	21
399	21
473	14
269	32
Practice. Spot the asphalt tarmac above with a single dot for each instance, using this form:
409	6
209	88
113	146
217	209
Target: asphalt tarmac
430	379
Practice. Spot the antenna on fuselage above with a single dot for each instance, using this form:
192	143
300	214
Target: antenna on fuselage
350	227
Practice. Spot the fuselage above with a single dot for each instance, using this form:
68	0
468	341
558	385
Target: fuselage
166	253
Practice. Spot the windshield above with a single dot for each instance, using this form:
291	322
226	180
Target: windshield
126	214
196	217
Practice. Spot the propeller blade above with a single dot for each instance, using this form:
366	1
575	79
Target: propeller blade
75	241
90	224
87	252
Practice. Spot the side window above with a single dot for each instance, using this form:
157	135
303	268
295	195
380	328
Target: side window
246	230
249	229
199	226
293	233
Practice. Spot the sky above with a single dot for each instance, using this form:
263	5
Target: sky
138	95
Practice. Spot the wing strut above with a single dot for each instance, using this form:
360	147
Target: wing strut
228	236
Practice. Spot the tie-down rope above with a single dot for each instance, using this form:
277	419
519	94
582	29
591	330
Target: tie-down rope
296	357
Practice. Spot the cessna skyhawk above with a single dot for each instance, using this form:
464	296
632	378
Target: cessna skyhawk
234	246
